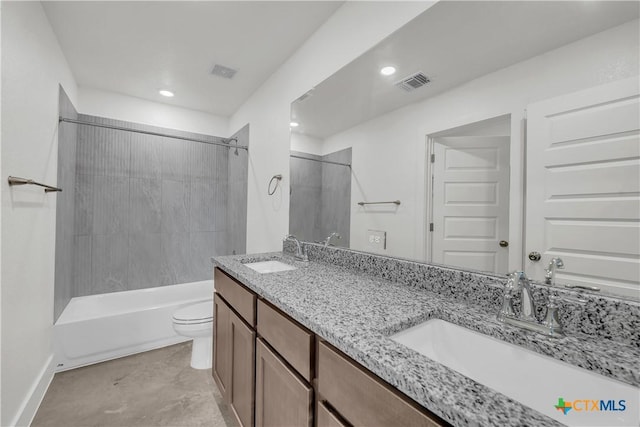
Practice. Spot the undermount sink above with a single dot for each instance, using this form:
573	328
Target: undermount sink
530	378
271	266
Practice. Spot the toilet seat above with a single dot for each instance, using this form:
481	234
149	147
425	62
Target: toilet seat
194	314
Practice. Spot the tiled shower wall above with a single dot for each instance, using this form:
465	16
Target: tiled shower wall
151	211
320	197
237	195
67	143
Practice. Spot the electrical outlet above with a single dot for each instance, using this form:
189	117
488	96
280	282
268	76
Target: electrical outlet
376	240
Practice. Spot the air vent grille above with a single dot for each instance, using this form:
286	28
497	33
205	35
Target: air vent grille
224	72
413	82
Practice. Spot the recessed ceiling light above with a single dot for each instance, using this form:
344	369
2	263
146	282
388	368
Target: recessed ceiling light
166	93
387	71
294	124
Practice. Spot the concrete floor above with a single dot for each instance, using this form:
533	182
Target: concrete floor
156	388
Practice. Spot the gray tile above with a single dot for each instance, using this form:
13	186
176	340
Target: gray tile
304	212
203	205
65	211
220	204
238	166
221	168
84	198
109	263
204	245
103	151
176	253
176	160
208	161
237	217
175	206
82	276
146	267
305	172
111	205
145	205
146	156
335	212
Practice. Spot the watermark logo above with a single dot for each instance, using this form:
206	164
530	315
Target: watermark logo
590	405
563	406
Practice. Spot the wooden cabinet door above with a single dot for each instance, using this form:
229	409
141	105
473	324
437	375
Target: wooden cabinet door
326	418
221	349
282	397
242	344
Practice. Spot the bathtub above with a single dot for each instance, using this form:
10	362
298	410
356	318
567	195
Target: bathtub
96	328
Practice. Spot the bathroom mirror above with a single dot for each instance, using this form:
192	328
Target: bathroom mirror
437	148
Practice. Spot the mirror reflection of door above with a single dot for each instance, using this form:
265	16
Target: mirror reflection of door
583	177
470	202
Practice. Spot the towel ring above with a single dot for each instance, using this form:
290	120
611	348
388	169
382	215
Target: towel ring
277	178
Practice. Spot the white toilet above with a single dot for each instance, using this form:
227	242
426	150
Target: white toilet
196	321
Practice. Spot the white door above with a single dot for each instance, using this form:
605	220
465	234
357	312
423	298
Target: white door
583	187
470	199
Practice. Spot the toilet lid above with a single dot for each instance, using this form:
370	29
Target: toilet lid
200	312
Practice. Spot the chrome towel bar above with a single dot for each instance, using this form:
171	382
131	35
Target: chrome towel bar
12	180
395	202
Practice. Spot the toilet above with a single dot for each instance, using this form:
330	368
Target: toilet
196	321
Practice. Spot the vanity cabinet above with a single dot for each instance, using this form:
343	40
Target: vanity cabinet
282	397
234	346
284	370
272	371
359	397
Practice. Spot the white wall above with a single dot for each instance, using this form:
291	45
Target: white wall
32	67
354	28
122	107
306	144
389	152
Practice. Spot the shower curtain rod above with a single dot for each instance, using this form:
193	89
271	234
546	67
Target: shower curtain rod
184	138
321	161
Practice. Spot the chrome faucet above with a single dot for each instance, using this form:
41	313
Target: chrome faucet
550	272
328	239
518	285
301	253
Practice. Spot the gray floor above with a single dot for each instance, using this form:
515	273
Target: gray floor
156	388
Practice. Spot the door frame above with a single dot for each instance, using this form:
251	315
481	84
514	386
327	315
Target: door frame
517	140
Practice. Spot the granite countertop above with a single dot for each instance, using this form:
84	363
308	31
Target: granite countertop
356	313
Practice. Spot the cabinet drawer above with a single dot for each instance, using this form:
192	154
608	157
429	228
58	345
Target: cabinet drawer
363	399
282	398
239	298
294	343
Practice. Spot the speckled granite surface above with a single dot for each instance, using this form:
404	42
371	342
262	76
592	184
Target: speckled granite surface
355	303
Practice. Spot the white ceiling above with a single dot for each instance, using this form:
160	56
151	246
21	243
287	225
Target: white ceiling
453	42
137	48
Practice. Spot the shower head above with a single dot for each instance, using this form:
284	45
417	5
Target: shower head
228	141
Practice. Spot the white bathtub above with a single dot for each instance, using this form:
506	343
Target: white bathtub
96	328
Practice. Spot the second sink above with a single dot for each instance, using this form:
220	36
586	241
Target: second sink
540	382
271	266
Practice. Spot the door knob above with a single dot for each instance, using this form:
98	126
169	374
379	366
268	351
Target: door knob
503	243
534	256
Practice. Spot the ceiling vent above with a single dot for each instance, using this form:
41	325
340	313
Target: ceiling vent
413	82
224	72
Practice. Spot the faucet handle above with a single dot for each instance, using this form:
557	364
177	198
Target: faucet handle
551	320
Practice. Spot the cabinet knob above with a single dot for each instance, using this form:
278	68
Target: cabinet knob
503	243
534	256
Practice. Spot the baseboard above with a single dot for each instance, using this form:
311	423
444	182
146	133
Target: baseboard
34	397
